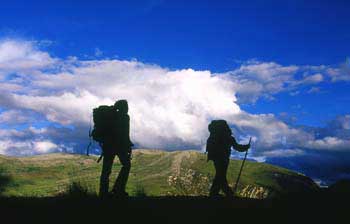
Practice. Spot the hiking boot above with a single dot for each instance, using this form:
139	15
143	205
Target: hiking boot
215	196
229	194
104	196
120	194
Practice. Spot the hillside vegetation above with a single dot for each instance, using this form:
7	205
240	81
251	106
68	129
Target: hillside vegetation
153	173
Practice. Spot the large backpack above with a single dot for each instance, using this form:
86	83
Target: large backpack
104	118
217	129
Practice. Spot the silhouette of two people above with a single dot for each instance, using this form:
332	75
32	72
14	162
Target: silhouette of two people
117	143
218	148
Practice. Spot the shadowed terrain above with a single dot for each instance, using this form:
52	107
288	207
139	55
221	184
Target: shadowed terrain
302	208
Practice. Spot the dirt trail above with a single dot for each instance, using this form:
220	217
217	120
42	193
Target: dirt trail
179	158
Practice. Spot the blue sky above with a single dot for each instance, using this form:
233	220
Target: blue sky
199	34
205	35
283	62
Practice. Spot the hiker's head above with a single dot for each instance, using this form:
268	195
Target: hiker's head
219	127
121	106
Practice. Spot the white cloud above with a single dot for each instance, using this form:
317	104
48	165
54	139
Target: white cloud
11	87
266	71
31	141
98	52
9	147
255	79
168	108
337	73
165	106
271	133
27	147
284	153
22	55
342	73
345	121
314	90
44	146
14	117
329	143
67	108
316	78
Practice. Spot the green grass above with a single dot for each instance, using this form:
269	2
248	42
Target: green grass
50	175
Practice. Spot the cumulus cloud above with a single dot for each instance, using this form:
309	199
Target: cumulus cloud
24	148
314	90
66	108
21	56
341	73
44	146
334	137
171	106
9	147
31	141
98	52
284	153
329	143
169	109
270	132
344	122
341	122
316	78
338	128
14	117
255	79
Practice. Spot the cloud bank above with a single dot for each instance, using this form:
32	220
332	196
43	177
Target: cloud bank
46	103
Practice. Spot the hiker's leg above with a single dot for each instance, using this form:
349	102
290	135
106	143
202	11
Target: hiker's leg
221	174
215	187
106	171
123	175
225	187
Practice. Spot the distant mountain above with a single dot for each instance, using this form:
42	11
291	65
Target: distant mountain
154	172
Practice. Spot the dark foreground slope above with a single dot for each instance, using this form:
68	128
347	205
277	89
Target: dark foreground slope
320	207
152	173
34	190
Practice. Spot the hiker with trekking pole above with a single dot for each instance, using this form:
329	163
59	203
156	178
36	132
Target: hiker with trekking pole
218	148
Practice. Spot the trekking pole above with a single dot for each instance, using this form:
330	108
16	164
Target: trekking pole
90	143
240	171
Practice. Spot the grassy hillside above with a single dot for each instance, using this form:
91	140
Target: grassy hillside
49	175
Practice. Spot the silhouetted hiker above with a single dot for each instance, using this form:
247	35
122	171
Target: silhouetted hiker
219	146
115	141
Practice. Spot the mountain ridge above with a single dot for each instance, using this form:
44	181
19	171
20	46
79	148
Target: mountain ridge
152	169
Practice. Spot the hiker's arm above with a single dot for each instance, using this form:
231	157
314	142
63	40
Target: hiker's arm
239	147
209	146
